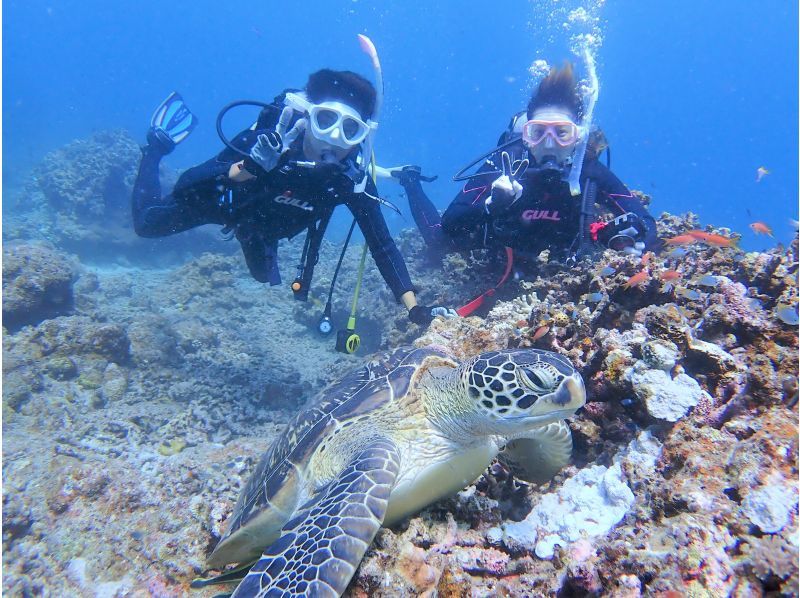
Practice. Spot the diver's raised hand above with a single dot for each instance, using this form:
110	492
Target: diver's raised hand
270	145
506	189
283	123
267	150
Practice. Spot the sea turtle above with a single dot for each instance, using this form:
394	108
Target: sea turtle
410	427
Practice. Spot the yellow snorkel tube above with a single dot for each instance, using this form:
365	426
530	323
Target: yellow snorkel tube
347	341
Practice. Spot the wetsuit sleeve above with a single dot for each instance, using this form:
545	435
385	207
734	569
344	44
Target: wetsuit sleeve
425	214
466	215
367	213
613	194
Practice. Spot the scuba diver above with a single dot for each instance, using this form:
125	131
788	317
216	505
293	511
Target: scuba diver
309	151
522	197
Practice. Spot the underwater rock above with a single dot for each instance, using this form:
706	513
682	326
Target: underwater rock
153	342
115	382
710	357
770	507
78	197
37	284
590	503
86	176
61	367
664	397
660	354
68	336
86	185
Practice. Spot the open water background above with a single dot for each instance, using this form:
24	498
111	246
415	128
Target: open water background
695	95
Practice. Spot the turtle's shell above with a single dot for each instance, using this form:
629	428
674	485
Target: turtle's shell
382	380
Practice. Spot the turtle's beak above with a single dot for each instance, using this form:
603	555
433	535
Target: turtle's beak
568	397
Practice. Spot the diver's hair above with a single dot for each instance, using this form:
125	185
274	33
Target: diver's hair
344	86
559	89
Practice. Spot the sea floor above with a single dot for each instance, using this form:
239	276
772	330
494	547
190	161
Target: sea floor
139	395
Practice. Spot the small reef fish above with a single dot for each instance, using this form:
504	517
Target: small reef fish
761	228
596	297
714	239
709	280
540	332
637	279
681	240
677	253
690	294
787	314
607	271
668	275
646	258
761	172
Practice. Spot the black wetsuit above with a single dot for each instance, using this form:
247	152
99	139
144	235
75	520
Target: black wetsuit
546	216
275	205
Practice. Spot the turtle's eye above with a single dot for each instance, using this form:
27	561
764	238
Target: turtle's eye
540	380
535	378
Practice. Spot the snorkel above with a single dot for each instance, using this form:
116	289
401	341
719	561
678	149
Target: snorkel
580	148
366	155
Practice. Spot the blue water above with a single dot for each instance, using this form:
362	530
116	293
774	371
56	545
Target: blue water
695	96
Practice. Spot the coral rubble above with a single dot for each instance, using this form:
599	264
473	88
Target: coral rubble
136	402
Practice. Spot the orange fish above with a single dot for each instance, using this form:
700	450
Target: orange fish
669	275
713	238
760	228
681	240
637	279
646	258
540	332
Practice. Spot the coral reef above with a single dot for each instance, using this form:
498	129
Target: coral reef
79	199
135	412
37	284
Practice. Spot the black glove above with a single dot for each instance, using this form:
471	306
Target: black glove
423	315
411	175
622	232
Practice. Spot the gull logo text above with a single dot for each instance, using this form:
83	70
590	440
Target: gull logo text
531	215
293	201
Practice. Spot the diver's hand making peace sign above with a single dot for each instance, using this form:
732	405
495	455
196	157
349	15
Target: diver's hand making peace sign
270	145
506	188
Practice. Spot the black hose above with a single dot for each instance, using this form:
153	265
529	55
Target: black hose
460	176
225	110
328	305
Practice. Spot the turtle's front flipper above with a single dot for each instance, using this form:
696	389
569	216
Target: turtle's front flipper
236	574
321	546
540	454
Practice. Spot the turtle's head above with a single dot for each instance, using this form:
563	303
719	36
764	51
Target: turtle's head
519	389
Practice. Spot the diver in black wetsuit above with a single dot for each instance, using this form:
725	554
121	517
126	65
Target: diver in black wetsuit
298	167
529	206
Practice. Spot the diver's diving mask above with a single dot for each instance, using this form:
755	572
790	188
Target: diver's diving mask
563	132
337	124
332	122
551	138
